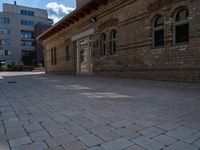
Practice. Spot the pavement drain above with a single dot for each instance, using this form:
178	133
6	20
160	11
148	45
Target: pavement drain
10	82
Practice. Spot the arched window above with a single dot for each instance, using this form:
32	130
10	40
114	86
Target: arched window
103	44
181	26
158	31
113	36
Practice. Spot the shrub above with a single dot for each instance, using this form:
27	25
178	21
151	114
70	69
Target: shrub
3	67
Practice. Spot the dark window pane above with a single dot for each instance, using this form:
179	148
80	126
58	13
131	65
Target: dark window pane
103	44
52	56
114	46
104	48
159	38
67	53
6	52
55	57
110	44
27	35
182	33
113	43
182	15
82	58
104	37
113	34
159	21
4	20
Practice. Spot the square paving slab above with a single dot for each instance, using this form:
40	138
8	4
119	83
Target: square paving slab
60	112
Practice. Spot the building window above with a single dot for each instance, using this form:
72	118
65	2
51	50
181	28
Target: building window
27	53
5	52
4	31
52	62
27	35
4	20
67	53
103	44
27	13
181	26
53	56
24	12
27	23
158	31
113	36
1	52
27	43
4	42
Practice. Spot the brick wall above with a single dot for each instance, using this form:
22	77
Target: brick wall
135	56
79	2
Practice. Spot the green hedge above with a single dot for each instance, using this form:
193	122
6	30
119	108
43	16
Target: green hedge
3	67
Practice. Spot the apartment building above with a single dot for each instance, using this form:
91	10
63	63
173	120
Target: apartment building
17	32
145	39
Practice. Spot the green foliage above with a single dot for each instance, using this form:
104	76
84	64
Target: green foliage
3	67
34	66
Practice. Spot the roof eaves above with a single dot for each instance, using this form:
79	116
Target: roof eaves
66	17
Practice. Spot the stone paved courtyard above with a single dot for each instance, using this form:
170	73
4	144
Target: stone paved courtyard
60	112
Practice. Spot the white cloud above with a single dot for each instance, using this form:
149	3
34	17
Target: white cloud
57	11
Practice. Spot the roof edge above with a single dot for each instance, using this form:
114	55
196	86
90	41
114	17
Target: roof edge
66	17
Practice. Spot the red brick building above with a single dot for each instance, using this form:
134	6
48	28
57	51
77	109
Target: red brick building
146	39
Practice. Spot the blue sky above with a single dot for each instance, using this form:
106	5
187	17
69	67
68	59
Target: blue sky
56	8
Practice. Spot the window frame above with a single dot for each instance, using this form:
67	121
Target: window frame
178	24
67	53
5	41
52	57
27	12
103	44
2	53
5	52
27	43
55	56
158	28
4	20
27	23
27	35
113	40
4	31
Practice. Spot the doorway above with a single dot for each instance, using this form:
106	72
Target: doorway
84	65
